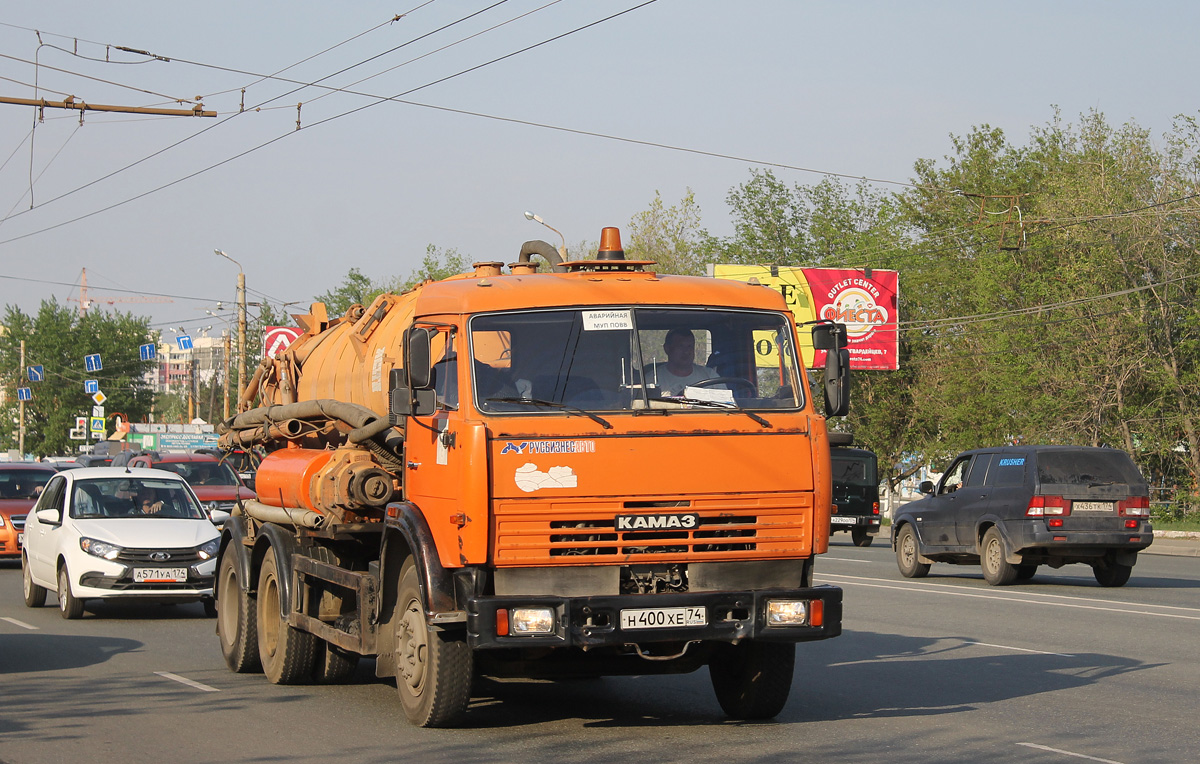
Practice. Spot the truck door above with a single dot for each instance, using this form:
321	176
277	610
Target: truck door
436	448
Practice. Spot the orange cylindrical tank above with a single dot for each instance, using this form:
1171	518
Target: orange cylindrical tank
284	477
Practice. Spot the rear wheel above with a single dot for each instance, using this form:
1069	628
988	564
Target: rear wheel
907	555
35	596
1025	572
433	668
752	680
286	653
1112	574
997	570
237	619
861	537
69	606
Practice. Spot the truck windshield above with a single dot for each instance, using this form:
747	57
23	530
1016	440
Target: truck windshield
629	359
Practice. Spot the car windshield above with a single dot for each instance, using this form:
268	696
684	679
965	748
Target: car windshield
1087	467
853	470
23	484
133	497
201	473
630	359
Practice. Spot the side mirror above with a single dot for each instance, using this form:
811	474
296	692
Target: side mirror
926	487
50	516
837	382
218	517
829	336
416	357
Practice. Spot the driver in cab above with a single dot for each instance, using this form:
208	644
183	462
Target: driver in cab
681	368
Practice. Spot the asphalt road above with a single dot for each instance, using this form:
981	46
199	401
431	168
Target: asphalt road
944	669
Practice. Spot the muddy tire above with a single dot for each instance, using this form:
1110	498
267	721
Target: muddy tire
1026	572
35	596
69	606
861	537
752	680
433	668
908	554
210	607
333	665
287	654
997	571
1112	574
237	619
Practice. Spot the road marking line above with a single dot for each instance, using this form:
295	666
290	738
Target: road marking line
856	580
185	680
1020	649
1068	753
22	624
843	559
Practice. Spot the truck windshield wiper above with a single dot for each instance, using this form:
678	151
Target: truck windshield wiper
714	404
551	404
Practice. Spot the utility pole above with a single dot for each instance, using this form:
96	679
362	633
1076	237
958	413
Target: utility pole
241	301
21	426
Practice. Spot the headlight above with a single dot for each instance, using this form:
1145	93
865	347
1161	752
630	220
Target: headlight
208	550
531	620
100	548
787	613
1	521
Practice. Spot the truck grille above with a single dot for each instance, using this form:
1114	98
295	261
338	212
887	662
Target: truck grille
586	532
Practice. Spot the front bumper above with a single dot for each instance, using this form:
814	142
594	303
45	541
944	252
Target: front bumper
592	622
116	580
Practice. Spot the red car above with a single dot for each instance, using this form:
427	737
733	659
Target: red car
20	485
216	485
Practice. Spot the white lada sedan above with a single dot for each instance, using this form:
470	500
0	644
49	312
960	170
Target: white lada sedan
107	532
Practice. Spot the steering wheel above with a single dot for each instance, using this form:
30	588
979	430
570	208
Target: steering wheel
726	381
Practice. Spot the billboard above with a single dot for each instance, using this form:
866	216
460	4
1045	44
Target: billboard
864	300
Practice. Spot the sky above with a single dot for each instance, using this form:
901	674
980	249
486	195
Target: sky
577	110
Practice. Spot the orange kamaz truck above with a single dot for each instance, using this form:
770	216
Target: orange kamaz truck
593	470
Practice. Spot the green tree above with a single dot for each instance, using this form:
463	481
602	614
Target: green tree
354	289
668	235
57	339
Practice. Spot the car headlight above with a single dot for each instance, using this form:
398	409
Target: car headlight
209	549
100	548
1	521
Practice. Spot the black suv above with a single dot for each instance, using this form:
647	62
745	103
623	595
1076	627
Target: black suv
1011	509
855	493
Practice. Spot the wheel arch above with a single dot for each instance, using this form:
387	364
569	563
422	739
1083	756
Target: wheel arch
274	540
407	533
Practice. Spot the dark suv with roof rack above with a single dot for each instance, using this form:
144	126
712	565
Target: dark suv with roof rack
1012	509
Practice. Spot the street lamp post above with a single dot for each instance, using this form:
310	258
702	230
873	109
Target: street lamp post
562	249
241	301
225	367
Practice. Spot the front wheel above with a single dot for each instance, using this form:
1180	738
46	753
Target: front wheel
1112	574
908	555
997	570
861	537
69	606
752	680
237	619
433	668
287	654
35	596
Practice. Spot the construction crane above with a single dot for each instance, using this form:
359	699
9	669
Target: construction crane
86	302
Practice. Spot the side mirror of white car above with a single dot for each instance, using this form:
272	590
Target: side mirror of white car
218	516
50	516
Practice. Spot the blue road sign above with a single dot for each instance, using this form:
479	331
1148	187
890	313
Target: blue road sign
92	362
37	373
147	352
185	342
91	386
24	394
